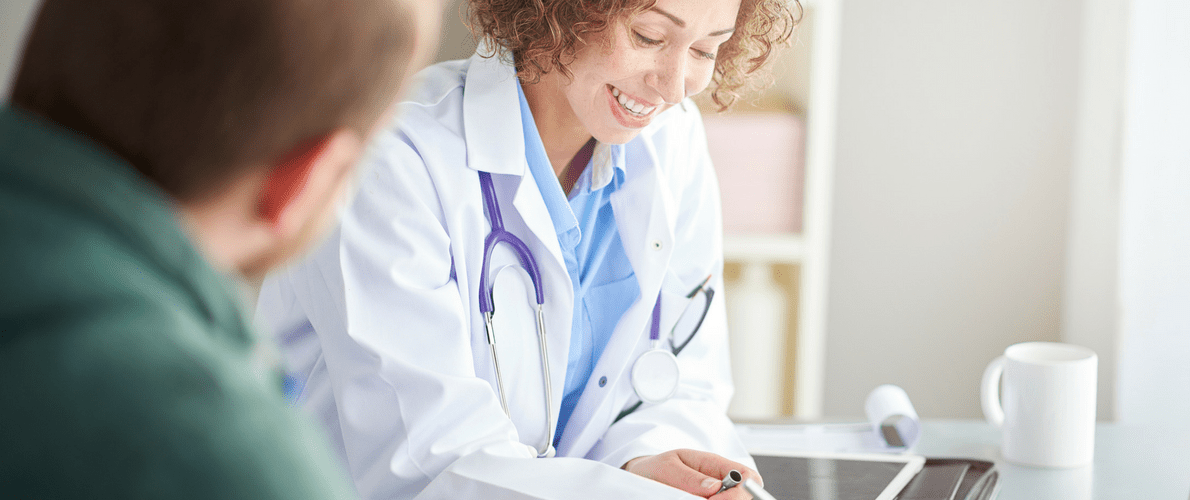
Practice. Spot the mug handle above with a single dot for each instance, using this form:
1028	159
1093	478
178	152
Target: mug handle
990	392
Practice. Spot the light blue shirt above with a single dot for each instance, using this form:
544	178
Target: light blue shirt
604	284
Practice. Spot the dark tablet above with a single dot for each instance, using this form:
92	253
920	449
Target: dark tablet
835	476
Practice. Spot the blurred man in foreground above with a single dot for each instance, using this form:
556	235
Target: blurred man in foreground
154	156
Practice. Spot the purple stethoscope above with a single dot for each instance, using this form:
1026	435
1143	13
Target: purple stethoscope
655	373
487	305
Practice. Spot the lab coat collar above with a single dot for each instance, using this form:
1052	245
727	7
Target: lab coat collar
492	115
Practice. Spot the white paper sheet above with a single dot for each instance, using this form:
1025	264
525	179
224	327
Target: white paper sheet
892	427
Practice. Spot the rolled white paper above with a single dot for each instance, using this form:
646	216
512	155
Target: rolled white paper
892	416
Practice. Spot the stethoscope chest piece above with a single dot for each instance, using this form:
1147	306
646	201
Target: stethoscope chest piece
655	376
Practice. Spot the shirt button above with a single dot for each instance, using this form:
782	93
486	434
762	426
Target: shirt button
656	244
602	381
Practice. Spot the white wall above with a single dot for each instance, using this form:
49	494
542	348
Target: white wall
1091	299
953	154
1154	272
14	18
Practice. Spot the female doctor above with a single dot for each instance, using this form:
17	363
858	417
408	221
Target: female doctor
526	236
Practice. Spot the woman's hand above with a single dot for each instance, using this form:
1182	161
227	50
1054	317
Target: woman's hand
695	472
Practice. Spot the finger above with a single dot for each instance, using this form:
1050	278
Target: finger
736	493
678	474
752	474
716	466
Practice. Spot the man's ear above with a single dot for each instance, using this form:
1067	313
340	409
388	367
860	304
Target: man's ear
289	177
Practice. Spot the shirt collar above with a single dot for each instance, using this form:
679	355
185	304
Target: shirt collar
607	163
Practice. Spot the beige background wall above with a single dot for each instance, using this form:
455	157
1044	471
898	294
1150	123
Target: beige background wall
955	124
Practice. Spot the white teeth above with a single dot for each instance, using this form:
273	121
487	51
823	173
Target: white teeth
630	105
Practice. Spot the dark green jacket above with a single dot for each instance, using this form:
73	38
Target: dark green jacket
127	365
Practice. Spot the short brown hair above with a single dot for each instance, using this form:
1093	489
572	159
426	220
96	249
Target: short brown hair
542	35
192	93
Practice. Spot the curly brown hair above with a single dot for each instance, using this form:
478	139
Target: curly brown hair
541	36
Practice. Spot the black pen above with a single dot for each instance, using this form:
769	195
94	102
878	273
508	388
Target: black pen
730	480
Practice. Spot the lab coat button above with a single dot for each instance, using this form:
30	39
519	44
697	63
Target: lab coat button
656	244
602	381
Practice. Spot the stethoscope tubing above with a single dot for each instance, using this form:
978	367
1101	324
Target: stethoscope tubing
500	235
487	305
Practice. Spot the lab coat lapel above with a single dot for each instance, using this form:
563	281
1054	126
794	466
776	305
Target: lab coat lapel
496	144
559	291
644	216
644	219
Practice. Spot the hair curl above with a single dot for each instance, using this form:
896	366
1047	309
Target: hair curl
542	35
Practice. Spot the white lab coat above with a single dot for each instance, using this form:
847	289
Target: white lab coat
383	323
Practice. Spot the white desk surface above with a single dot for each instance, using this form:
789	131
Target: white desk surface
1131	462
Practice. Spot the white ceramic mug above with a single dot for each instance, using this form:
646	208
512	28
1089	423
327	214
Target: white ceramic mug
1048	413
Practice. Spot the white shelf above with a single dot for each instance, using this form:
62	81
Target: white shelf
809	249
772	248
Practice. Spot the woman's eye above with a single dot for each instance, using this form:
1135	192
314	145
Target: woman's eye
643	40
704	55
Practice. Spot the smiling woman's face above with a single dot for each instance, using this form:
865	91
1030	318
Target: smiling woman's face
638	68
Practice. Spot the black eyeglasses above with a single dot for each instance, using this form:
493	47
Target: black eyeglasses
692	317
